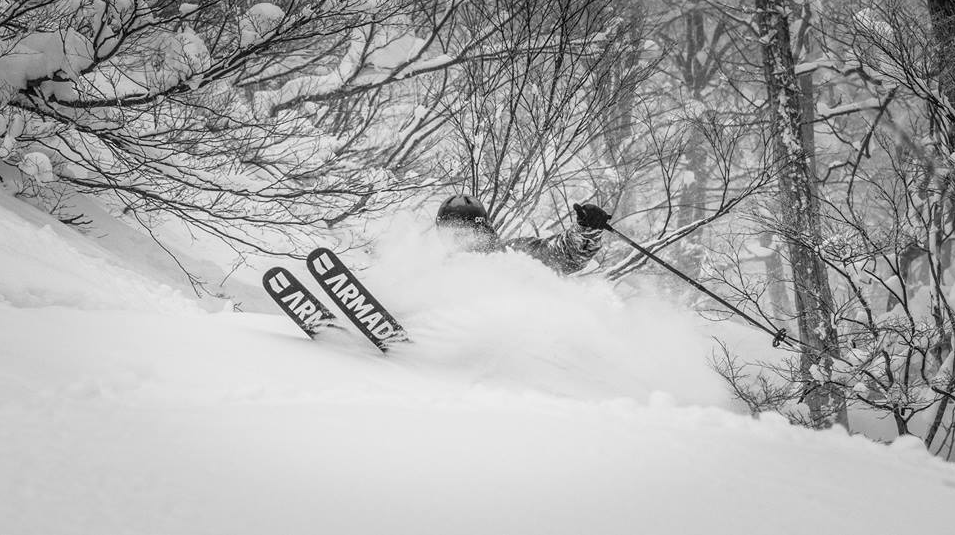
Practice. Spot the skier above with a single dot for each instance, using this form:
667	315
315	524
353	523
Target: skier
567	252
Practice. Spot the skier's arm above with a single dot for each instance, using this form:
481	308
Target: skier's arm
571	250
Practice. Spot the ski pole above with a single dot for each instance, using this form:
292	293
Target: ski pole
779	335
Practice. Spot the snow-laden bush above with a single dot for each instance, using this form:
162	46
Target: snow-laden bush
226	115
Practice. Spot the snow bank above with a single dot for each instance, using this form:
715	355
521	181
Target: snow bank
48	264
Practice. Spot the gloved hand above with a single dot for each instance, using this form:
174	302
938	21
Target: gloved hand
591	216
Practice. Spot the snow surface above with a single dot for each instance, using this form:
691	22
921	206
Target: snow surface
527	404
46	264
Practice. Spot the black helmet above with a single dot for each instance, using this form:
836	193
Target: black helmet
462	210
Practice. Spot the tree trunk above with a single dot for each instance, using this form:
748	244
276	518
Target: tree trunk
943	28
691	199
942	13
799	210
776	274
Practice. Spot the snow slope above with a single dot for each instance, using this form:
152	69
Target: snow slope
135	412
46	263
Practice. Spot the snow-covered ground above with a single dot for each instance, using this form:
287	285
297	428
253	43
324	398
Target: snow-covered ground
526	404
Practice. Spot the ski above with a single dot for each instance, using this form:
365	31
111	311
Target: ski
354	300
296	301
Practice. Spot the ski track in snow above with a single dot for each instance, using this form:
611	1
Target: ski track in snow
524	405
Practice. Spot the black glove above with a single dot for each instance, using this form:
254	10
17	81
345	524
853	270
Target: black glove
591	216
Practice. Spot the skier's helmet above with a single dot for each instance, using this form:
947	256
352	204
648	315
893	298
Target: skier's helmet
462	211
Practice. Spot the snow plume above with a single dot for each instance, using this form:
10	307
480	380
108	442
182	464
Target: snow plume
506	318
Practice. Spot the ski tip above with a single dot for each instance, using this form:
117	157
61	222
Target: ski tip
318	251
321	261
271	273
276	279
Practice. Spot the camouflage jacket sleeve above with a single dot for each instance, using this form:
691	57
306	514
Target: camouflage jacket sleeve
566	252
